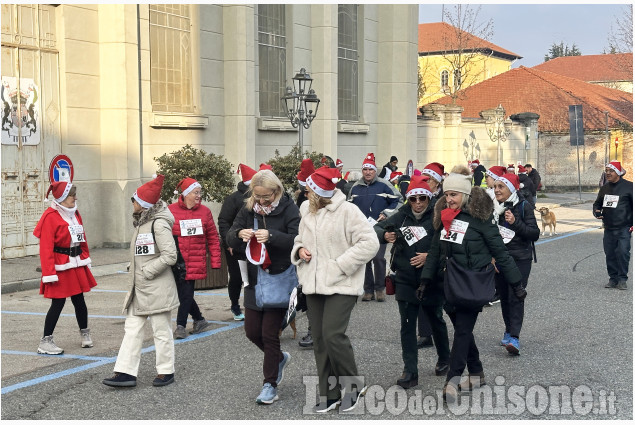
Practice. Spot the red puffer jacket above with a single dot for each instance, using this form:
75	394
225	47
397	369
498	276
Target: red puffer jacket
193	248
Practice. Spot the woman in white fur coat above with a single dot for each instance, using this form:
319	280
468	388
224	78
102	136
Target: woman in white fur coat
334	243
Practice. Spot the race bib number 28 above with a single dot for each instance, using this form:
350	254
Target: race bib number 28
456	232
144	245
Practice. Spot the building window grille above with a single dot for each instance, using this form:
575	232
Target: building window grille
347	63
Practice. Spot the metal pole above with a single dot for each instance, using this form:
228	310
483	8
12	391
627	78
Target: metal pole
608	138
301	128
577	145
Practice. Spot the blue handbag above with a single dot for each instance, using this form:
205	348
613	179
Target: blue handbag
274	290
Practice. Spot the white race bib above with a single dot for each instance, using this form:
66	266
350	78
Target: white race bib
372	221
77	233
413	234
506	234
191	227
456	233
144	245
610	201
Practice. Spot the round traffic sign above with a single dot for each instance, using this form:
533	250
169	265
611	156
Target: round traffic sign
61	169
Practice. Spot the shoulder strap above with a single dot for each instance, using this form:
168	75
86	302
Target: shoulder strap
152	230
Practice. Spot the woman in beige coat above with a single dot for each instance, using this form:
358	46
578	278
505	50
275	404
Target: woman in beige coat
334	243
152	291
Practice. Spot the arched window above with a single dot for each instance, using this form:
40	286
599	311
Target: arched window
445	79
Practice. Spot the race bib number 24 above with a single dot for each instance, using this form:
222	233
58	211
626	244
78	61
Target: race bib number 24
456	232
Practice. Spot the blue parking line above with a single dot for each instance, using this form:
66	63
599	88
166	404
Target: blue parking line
567	235
99	361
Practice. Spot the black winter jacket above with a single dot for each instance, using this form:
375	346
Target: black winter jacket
527	187
407	276
228	212
525	228
282	223
622	215
481	242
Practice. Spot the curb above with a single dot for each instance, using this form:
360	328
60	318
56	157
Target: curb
27	284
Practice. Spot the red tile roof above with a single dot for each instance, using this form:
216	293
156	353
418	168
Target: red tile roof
613	67
440	36
549	95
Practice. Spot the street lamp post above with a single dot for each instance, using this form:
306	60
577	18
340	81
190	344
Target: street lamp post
468	148
301	103
497	127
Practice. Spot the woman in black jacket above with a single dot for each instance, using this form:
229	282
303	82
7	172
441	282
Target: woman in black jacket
410	231
465	231
518	227
269	218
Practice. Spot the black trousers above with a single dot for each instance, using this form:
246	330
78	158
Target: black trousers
425	329
235	283
464	351
512	308
57	304
185	289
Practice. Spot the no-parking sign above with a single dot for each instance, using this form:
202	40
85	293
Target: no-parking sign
61	169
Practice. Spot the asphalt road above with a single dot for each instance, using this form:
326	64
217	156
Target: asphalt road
576	357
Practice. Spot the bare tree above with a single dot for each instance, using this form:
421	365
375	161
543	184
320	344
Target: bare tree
620	39
465	46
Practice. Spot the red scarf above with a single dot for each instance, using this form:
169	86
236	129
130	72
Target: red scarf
447	216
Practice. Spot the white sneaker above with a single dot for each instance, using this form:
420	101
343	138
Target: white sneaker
47	346
86	341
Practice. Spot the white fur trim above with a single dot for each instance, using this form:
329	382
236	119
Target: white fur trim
141	202
317	189
507	183
418	191
73	262
65	194
492	175
369	166
301	183
247	182
432	173
191	188
49	279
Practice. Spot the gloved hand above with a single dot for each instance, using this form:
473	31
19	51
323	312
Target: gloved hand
520	292
423	288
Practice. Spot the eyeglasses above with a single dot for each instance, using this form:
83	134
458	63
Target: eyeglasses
421	198
263	197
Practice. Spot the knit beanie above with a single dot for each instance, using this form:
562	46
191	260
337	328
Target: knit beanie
458	183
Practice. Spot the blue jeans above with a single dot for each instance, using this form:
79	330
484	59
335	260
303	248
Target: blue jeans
617	249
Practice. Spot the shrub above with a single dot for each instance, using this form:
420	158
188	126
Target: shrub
287	167
212	171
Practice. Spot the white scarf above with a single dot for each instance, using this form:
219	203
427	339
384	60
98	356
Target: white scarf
499	208
68	211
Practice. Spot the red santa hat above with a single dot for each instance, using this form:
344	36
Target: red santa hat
522	169
511	168
306	169
264	166
339	163
246	172
186	185
617	167
475	163
511	181
323	180
418	186
257	254
434	170
496	171
60	190
149	193
394	175
369	161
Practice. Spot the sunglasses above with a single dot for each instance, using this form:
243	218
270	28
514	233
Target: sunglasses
420	198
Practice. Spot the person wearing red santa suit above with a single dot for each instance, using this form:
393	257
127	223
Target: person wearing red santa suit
194	233
151	290
65	263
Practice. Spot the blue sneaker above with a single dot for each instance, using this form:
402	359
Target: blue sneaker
283	363
513	346
505	339
268	395
237	312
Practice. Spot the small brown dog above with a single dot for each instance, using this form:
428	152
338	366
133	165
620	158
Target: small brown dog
548	219
292	326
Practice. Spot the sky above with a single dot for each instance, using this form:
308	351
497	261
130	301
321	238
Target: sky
530	30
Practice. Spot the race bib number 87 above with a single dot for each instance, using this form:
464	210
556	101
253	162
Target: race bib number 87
456	232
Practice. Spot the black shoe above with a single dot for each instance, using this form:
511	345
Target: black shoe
611	284
330	405
425	341
441	369
162	380
306	341
121	380
621	285
408	380
351	401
